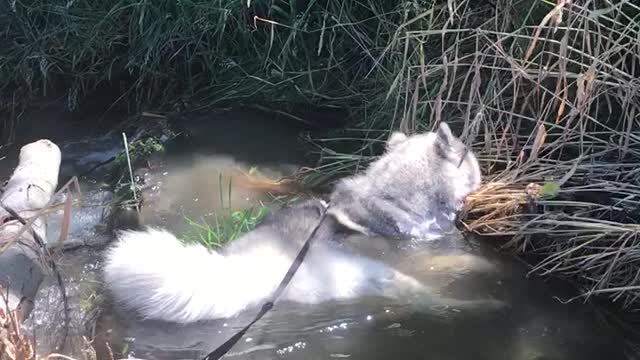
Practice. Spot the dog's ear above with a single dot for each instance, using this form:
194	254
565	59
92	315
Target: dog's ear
445	136
395	139
448	146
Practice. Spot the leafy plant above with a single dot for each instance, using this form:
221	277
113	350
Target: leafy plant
223	229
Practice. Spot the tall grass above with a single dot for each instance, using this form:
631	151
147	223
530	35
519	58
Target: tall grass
548	96
204	52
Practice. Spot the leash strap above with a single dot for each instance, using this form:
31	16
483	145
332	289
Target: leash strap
227	345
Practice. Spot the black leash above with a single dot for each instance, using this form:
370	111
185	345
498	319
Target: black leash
224	348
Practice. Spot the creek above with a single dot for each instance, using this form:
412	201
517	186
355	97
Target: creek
188	182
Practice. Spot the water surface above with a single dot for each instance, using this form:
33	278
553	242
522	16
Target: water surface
186	182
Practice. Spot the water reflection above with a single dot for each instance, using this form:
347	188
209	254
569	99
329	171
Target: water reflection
532	326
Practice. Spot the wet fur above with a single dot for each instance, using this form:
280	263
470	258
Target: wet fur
413	190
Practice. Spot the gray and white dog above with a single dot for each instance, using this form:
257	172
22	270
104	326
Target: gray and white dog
412	191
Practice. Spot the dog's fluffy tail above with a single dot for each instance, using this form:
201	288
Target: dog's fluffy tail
154	274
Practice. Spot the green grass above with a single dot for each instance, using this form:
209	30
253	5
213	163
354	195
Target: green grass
206	52
228	224
118	174
139	151
225	228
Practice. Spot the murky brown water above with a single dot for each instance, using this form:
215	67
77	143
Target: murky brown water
533	326
188	182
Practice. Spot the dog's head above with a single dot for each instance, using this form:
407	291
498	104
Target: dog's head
415	188
433	165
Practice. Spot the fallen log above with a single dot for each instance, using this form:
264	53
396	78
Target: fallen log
29	190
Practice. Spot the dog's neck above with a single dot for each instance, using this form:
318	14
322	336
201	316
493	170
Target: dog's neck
344	225
347	223
386	227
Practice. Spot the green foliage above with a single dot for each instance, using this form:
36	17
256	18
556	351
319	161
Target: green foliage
118	175
550	190
139	150
227	224
212	51
223	229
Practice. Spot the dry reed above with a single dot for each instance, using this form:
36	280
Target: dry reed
548	96
14	345
553	111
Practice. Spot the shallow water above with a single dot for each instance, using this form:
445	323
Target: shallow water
532	325
200	188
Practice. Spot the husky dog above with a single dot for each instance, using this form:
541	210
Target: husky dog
412	191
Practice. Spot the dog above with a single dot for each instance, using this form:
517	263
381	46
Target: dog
412	191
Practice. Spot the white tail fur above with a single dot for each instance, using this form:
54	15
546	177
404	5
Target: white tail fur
153	273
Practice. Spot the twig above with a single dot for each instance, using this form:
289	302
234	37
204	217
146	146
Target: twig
133	186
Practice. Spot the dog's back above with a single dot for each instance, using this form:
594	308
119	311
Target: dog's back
420	180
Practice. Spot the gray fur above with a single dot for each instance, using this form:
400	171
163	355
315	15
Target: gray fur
416	181
413	190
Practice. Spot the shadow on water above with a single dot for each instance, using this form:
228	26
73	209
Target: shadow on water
532	325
